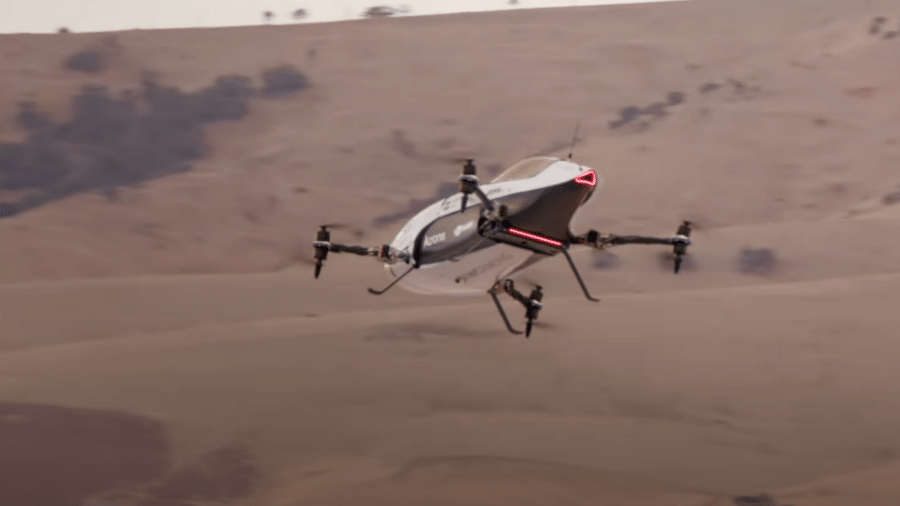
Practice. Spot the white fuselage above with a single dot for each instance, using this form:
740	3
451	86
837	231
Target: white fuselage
473	273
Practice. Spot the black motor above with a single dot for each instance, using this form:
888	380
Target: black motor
680	247
323	238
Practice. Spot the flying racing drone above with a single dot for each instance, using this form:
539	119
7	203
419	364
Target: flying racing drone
459	247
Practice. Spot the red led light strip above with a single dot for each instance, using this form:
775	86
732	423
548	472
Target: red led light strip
534	237
587	178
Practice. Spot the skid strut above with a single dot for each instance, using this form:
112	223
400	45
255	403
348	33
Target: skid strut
532	303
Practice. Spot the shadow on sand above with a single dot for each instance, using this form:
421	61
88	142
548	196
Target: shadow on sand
56	456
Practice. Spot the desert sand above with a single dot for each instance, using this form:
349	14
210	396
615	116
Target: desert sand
164	342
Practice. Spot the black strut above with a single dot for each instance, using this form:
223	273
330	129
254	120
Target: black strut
578	276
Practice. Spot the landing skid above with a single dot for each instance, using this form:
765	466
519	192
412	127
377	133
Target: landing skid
503	313
394	282
584	289
532	303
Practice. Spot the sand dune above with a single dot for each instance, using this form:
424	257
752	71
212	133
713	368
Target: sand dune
795	138
169	338
610	391
87	309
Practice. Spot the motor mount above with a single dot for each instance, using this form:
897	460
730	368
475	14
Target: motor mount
322	245
679	248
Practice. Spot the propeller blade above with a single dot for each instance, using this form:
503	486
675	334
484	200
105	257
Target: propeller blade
336	226
526	280
455	160
322	235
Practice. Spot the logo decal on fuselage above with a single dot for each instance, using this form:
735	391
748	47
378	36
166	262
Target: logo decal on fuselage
434	239
462	228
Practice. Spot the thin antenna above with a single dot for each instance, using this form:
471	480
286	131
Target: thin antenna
574	139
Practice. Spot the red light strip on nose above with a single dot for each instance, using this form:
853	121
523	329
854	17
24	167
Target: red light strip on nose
587	178
534	237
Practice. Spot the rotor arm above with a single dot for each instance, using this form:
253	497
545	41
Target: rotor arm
679	242
384	253
600	240
617	240
356	250
323	246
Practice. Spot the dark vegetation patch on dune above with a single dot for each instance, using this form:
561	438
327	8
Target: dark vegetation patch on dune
403	145
881	26
112	139
89	61
492	467
57	456
757	261
756	500
442	191
283	81
419	332
891	198
639	119
605	260
93	59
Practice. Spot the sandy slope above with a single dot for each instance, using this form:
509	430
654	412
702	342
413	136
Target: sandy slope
272	389
733	394
805	144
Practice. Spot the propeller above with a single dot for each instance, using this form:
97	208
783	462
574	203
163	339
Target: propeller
322	244
457	160
525	279
680	248
337	226
310	259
